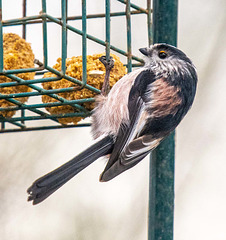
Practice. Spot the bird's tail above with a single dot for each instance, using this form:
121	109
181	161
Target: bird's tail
49	183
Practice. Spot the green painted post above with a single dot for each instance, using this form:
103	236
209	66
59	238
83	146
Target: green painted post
161	193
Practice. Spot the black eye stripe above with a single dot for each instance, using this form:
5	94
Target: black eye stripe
162	54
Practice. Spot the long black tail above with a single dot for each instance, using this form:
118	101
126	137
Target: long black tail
49	183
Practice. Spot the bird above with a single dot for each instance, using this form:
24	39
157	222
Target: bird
129	122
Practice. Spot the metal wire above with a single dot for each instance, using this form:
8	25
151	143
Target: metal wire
27	112
129	47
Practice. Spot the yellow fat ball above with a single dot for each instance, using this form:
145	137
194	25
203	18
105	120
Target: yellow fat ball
17	54
95	78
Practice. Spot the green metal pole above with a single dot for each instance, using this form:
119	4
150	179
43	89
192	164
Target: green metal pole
161	193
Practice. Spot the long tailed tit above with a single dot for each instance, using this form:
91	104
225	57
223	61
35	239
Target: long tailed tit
141	109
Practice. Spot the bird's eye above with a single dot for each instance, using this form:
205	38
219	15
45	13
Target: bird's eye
162	54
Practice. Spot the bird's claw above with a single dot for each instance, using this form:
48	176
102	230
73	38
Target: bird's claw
108	64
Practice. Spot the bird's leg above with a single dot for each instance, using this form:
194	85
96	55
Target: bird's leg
108	66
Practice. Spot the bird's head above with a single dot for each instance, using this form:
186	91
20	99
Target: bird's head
167	60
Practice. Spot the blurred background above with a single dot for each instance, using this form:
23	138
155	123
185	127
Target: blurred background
86	209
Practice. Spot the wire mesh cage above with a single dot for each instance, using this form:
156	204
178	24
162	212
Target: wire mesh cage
41	96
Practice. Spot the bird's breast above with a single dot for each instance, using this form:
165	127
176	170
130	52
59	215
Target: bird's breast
112	110
165	98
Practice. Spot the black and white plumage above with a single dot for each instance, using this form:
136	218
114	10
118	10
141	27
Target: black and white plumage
141	109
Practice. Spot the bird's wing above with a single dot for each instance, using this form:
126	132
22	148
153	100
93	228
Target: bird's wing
130	149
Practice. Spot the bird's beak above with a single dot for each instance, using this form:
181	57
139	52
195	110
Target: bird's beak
144	51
